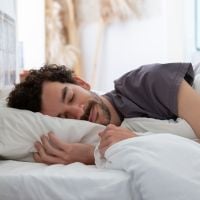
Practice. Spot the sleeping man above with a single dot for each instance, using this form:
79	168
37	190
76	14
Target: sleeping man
160	91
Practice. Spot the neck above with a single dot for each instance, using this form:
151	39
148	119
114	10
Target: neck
115	119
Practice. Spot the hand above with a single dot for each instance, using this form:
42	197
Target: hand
23	75
52	150
111	135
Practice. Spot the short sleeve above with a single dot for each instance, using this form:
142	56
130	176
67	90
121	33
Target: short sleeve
151	90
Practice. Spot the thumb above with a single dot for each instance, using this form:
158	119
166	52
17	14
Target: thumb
101	133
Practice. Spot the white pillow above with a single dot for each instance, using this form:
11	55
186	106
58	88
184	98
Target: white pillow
4	92
142	125
19	129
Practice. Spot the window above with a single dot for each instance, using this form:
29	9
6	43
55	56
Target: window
197	15
7	50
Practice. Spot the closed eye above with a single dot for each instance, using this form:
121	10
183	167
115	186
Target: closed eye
64	93
71	99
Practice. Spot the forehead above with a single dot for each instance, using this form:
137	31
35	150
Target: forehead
52	88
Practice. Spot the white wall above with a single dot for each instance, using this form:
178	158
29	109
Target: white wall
165	33
160	36
31	32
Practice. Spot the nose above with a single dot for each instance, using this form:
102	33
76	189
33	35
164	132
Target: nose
74	111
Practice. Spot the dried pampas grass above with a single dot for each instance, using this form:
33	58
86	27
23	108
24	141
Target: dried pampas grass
88	11
63	18
61	36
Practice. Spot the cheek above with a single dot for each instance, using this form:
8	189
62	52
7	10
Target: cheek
52	108
84	96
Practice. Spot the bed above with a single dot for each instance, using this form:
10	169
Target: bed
154	167
163	163
35	181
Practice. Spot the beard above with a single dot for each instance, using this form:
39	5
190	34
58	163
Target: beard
103	110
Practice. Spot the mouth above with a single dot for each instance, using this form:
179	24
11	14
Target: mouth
90	112
93	114
97	113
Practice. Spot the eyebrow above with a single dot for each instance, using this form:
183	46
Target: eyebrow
64	92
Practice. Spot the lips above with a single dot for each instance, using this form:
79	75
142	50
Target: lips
93	114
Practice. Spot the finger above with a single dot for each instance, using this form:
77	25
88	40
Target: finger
50	149
56	141
37	145
53	160
104	143
102	151
102	133
36	157
110	126
105	131
43	157
106	135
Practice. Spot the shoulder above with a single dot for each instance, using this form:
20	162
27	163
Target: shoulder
156	70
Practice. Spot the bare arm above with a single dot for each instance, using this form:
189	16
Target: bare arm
189	106
52	150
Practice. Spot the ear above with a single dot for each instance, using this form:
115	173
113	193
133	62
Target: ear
82	83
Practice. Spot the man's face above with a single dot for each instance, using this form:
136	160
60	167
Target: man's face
73	101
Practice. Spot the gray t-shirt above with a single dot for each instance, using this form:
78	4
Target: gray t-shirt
150	91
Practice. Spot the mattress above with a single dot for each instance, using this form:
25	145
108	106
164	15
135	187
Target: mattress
35	181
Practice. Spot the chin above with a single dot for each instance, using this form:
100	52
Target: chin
105	123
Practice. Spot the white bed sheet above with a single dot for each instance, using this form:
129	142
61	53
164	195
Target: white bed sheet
35	181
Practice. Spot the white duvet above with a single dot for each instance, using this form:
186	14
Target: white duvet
151	167
161	166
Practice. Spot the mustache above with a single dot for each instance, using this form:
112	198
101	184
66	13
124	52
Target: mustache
86	114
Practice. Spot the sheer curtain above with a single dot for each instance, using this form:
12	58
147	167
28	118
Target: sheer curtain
63	18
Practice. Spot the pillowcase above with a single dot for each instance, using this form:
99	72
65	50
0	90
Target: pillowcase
20	129
144	125
4	92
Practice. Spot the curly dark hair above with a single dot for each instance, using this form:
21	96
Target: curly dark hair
27	94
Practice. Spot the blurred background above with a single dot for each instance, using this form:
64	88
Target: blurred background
99	39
